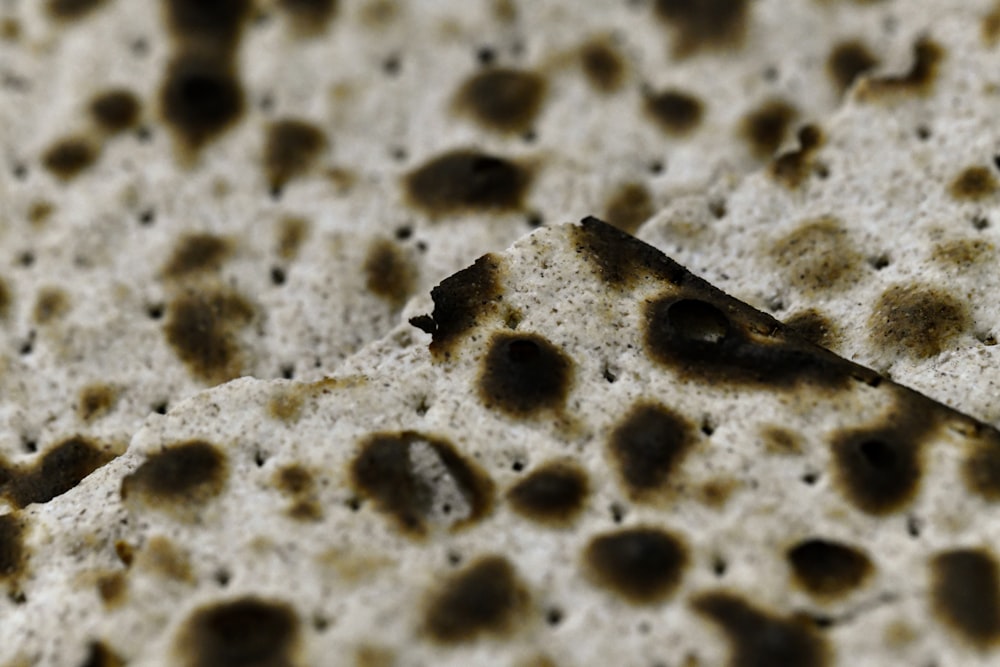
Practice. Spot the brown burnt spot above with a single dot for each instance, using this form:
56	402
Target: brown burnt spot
814	327
292	147
112	589
40	211
195	253
643	565
715	493
60	469
407	474
553	493
502	99
286	404
294	479
764	129
13	553
236	633
524	374
990	27
100	655
374	656
927	57
377	14
759	638
828	569
485	598
52	304
72	10
675	112
292	232
621	259
916	321
467	180
792	167
704	24
125	552
188	472
603	65
202	328
200	98
5	299
306	509
963	253
389	272
965	595
629	206
165	559
67	158
974	184
847	61
10	29
460	303
95	401
981	467
208	25
648	446
310	17
115	110
781	441
818	256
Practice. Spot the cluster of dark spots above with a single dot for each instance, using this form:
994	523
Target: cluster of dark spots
676	112
202	328
847	61
817	256
981	467
603	65
67	158
291	149
201	97
552	493
629	206
963	253
240	632
192	472
467	180
115	110
642	565
828	569
648	446
389	272
813	326
973	184
384	470
704	24
918	321
758	638
764	129
524	374
100	655
310	17
197	252
485	598
95	401
72	10
502	99
58	470
621	259
460	303
52	304
927	57
965	594
297	481
793	166
13	554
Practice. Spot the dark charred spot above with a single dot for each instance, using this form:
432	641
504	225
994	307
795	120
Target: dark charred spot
13	554
461	301
197	252
523	374
704	24
765	128
814	327
818	256
292	148
389	272
467	180
927	57
629	206
981	468
965	594
828	569
5	298
202	328
241	632
52	304
201	97
847	61
398	472
310	17
485	598
674	111
916	321
67	158
603	65
291	233
502	99
192	471
647	446
758	638
115	110
973	184
643	565
553	493
96	400
60	469
72	10
793	166
208	25
621	259
100	655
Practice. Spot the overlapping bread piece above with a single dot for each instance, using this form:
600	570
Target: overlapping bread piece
880	239
594	457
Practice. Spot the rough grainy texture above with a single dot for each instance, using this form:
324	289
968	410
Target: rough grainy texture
690	476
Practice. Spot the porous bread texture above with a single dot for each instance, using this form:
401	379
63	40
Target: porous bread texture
737	481
884	245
